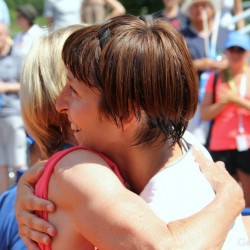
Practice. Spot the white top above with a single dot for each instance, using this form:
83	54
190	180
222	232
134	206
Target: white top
181	190
24	40
63	12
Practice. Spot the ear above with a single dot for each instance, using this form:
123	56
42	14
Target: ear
128	122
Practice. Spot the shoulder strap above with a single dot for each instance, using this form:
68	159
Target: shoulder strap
207	143
216	74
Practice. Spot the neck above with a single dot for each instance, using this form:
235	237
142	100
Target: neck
26	27
200	28
139	164
237	69
171	11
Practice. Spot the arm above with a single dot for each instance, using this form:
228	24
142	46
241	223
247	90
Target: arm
229	94
9	87
116	7
237	10
206	63
49	21
209	110
48	12
129	219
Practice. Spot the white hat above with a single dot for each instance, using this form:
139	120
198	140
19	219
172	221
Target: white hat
186	5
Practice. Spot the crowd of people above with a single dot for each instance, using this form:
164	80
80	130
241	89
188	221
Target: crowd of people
123	115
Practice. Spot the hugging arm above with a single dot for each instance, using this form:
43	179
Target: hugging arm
120	218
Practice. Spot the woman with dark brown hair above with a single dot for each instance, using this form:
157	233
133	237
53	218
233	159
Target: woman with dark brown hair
131	91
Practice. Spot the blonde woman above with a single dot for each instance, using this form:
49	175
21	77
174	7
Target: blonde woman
38	90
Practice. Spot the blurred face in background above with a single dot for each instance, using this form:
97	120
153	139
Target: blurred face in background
237	56
22	21
168	4
195	11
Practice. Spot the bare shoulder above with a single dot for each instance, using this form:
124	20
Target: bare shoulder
82	172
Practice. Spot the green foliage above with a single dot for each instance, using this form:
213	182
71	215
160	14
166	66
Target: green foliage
38	4
142	7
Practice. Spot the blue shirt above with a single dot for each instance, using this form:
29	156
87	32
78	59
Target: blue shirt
9	238
196	44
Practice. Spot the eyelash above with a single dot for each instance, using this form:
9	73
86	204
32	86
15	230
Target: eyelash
72	90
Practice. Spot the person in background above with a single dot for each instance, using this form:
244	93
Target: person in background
97	11
25	19
229	8
4	13
94	220
62	13
205	40
171	13
230	111
12	134
52	139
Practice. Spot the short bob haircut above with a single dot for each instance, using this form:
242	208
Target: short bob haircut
140	67
43	77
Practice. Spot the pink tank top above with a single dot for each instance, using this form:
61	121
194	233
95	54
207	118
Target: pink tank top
41	189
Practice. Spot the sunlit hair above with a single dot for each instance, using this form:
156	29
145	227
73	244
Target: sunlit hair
141	68
43	77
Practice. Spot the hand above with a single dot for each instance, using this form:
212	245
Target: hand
221	181
228	95
207	63
32	229
2	87
219	65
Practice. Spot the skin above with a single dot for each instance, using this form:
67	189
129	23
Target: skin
171	8
116	8
88	216
94	216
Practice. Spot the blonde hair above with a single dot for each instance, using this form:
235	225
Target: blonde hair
43	77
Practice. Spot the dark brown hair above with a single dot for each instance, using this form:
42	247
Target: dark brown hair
140	68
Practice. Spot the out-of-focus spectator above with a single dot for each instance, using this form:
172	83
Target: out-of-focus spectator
229	8
26	15
205	40
62	13
9	238
97	11
4	13
227	103
171	13
12	133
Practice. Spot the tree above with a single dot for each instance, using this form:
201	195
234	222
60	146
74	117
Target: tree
38	4
142	7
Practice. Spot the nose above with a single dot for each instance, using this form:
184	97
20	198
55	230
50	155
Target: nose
62	102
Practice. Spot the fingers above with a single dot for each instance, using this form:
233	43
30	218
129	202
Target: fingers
219	178
29	244
32	203
215	172
33	237
32	228
35	223
32	175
